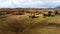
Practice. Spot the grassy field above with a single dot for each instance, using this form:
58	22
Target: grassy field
23	24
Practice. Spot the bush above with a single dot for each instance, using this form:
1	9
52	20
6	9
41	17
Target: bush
56	12
33	16
21	13
18	13
3	13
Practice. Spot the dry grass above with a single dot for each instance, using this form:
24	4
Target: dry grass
23	24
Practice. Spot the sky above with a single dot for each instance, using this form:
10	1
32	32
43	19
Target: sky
29	3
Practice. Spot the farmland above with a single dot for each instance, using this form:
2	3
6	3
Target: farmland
17	21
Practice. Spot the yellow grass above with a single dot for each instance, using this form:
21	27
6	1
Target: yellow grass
23	24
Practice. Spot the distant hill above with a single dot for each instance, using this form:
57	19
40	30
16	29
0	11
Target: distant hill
58	7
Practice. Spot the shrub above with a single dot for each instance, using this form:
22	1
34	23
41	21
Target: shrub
47	14
3	13
56	12
18	13
28	12
21	13
33	16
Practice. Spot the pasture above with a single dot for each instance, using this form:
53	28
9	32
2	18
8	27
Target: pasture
23	24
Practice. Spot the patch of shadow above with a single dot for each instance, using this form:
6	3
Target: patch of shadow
3	16
54	24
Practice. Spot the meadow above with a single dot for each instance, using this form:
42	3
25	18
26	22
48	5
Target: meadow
25	24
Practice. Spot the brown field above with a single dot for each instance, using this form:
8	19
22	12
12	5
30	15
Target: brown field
17	21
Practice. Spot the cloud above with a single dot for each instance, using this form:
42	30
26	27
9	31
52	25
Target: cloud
6	4
29	3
